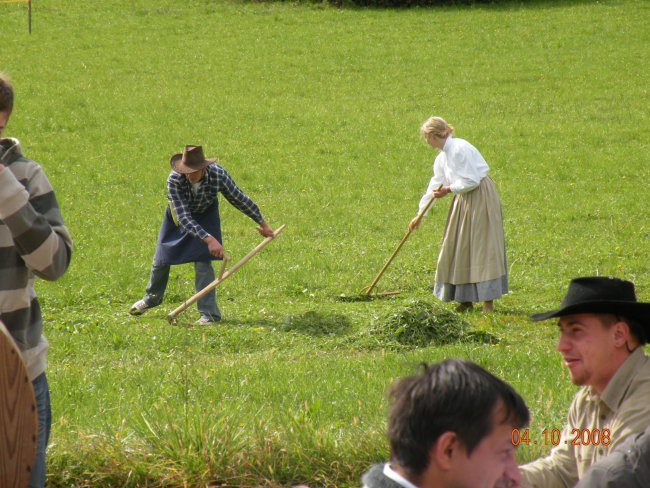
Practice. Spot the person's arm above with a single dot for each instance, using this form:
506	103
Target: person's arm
432	188
557	470
434	184
241	201
31	213
560	468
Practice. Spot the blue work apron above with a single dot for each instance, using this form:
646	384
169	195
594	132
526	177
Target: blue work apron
176	246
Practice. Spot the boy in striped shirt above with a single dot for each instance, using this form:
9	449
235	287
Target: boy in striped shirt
33	242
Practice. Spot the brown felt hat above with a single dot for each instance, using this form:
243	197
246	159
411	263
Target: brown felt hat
190	160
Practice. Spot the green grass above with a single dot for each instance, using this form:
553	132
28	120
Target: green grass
315	112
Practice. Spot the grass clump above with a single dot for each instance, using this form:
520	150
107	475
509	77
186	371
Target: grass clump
421	323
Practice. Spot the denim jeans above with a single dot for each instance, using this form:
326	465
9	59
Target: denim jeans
42	394
203	276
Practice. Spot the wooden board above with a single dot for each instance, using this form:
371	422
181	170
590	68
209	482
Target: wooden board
18	418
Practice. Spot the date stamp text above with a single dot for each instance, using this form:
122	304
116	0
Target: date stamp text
553	437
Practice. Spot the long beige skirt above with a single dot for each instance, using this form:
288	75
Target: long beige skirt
472	261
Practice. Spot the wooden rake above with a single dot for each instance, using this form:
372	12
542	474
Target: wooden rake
223	276
368	289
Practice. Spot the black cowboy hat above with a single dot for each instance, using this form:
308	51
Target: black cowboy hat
600	295
190	160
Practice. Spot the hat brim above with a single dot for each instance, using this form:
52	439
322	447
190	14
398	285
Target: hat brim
636	310
176	163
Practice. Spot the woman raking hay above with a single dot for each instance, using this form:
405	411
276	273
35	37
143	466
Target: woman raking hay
472	261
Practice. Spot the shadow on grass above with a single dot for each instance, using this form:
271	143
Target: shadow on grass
308	323
360	297
315	324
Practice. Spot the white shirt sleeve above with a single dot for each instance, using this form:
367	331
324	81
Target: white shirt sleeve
437	180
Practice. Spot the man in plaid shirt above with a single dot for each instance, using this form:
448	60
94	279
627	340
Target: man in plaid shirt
191	229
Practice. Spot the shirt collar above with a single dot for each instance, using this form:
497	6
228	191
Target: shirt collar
397	478
619	385
447	143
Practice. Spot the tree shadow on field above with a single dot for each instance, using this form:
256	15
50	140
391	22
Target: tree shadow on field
230	322
405	5
315	324
507	5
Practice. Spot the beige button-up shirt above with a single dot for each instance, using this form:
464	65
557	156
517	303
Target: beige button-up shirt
623	409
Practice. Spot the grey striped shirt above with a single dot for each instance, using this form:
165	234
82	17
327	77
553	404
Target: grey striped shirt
33	242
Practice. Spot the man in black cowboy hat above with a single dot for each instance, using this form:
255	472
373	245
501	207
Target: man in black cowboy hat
603	329
191	228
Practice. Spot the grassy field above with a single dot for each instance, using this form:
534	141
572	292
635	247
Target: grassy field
315	112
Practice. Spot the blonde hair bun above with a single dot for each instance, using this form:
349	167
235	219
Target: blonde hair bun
436	126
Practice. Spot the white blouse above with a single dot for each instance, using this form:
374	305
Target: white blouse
459	166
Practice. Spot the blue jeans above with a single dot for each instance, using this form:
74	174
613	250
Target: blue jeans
203	276
43	409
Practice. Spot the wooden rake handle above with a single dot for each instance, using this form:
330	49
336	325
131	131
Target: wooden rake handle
366	291
222	276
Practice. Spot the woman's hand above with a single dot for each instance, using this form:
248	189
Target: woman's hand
414	223
444	190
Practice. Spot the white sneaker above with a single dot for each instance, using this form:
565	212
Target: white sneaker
139	307
205	320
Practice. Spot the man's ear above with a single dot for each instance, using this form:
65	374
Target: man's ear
621	333
444	450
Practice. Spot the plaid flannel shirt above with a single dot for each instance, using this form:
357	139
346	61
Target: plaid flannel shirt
184	202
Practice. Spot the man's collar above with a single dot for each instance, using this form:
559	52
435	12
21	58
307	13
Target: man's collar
396	477
618	386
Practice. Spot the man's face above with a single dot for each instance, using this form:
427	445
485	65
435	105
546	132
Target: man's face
491	461
4	118
195	177
587	348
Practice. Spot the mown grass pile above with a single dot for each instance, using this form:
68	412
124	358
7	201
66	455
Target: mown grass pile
421	323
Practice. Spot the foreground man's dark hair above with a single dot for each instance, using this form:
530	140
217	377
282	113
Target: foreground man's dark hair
453	395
